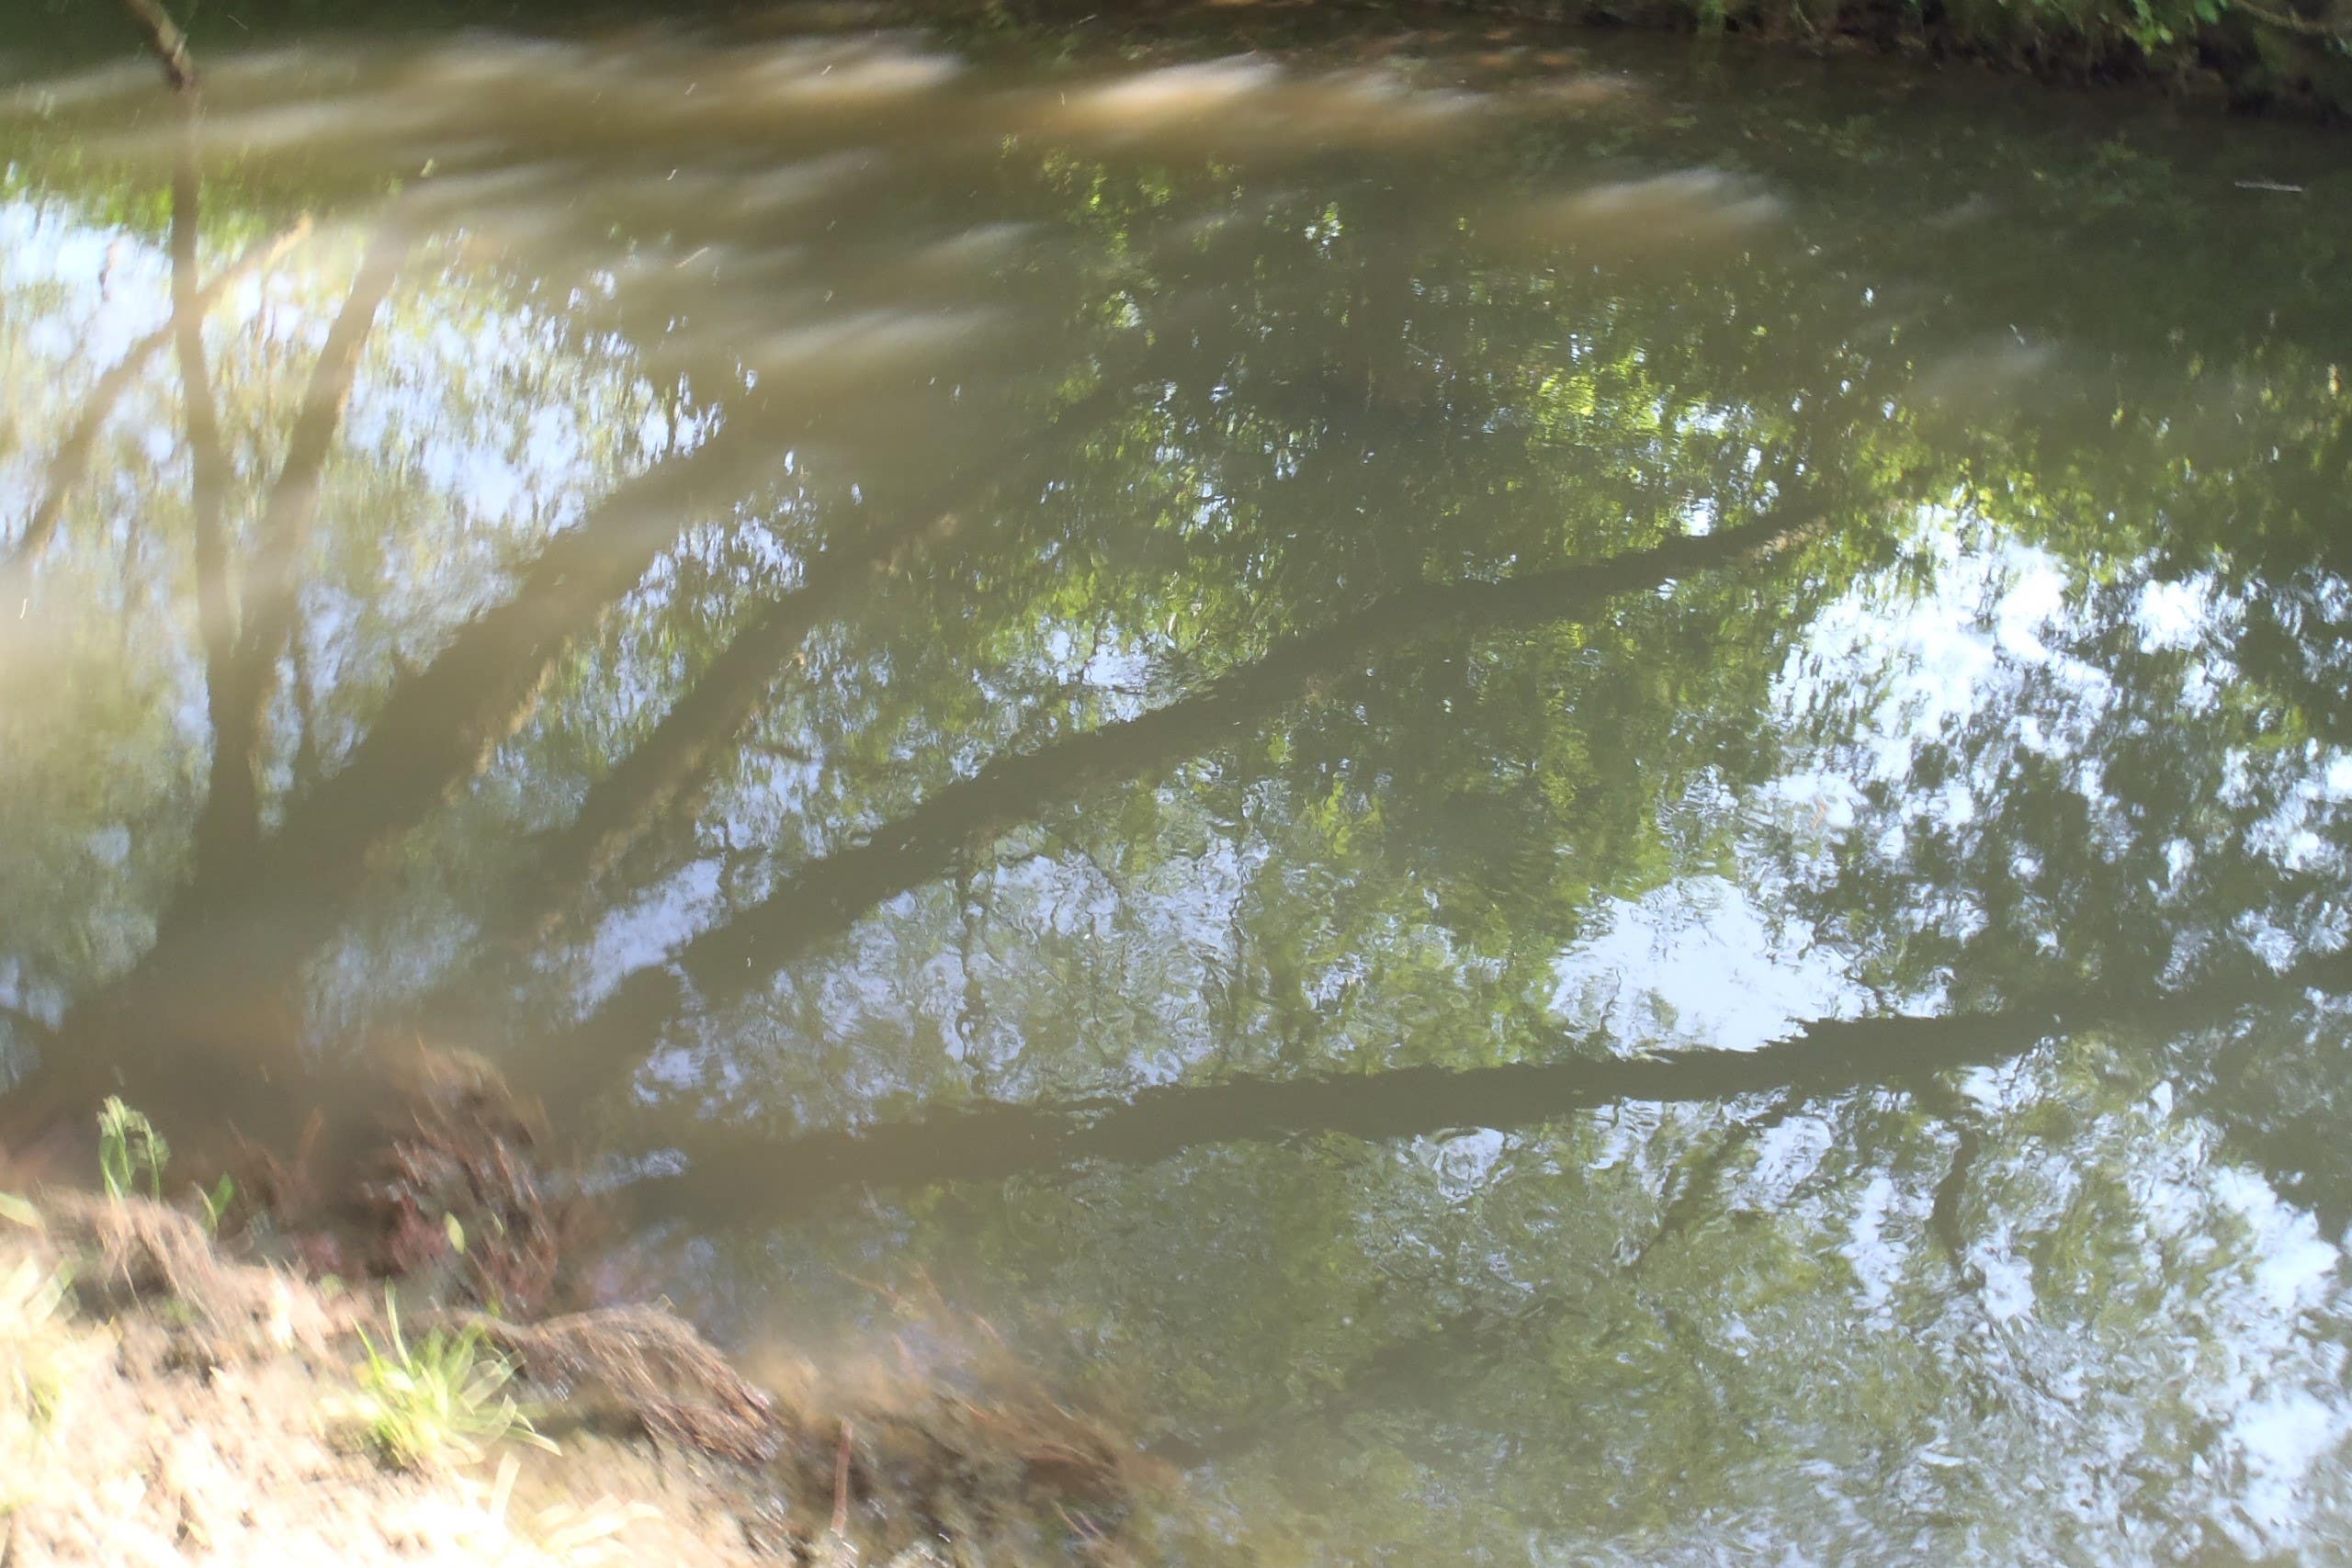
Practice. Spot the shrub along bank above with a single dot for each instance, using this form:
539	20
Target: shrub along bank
2290	57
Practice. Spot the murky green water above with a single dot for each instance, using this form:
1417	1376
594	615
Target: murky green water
1579	807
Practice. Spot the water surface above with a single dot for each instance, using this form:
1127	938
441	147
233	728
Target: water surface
1577	806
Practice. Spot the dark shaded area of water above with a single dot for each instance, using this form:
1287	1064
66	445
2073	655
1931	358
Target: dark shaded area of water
1575	808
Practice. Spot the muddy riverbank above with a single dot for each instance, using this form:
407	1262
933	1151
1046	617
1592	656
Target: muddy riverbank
178	1383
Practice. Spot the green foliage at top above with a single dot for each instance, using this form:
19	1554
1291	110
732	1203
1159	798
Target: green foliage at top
2290	56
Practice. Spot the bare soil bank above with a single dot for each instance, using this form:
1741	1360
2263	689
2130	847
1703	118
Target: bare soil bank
139	1427
165	1397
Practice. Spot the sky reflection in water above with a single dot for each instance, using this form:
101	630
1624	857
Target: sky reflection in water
1585	815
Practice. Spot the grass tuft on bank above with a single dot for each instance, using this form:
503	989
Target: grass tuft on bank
441	1402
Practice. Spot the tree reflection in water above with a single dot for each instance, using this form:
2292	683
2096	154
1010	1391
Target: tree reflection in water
1587	845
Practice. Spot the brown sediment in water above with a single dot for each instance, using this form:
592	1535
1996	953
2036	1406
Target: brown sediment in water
179	1401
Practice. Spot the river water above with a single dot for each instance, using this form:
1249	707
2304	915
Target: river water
1571	802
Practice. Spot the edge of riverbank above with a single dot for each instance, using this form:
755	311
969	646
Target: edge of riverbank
2245	55
2289	60
187	1382
161	1403
2250	58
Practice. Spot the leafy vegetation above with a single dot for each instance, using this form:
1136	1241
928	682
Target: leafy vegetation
438	1403
2288	55
2294	55
129	1146
215	1203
